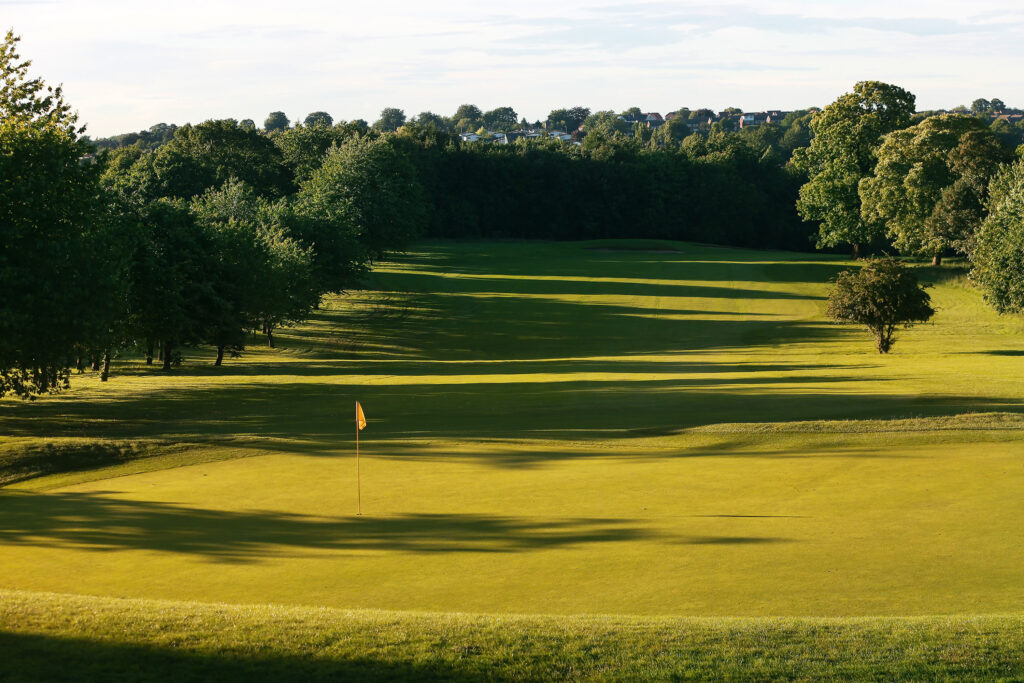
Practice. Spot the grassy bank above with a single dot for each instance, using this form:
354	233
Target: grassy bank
66	637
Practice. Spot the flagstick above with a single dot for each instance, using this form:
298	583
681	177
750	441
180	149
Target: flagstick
359	485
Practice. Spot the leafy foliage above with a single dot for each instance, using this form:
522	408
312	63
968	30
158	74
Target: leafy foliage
390	120
882	295
842	152
929	185
998	258
59	262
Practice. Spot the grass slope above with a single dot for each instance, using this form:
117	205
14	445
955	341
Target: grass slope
554	428
62	637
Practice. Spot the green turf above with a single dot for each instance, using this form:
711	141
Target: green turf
669	429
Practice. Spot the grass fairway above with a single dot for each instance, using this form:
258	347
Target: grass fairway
555	429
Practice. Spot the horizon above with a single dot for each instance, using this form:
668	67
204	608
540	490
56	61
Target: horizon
125	72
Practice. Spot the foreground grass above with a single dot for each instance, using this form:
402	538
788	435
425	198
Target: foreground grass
67	637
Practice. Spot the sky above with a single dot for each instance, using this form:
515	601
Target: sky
126	65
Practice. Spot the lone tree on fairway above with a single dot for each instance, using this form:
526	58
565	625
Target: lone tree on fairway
882	295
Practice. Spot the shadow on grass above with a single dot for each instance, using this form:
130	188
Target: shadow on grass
30	658
314	418
101	523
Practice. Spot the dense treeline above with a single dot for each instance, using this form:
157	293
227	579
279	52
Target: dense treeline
205	234
717	190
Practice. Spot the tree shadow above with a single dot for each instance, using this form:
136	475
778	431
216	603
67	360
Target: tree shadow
31	658
98	522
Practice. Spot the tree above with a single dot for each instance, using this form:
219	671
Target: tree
390	120
632	113
174	275
846	134
211	153
60	260
998	257
928	186
502	118
319	118
606	121
367	195
469	112
303	147
981	106
882	295
263	277
430	119
247	124
568	119
276	120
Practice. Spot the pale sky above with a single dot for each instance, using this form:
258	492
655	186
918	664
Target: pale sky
126	64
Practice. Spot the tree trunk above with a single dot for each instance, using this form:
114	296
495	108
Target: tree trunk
161	357
149	352
80	365
270	336
856	250
220	356
165	351
95	363
105	372
937	260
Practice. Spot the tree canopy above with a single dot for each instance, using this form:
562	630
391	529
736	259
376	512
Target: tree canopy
276	120
390	120
998	257
319	118
846	134
928	187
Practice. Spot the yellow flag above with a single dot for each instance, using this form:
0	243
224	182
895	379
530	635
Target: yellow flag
360	418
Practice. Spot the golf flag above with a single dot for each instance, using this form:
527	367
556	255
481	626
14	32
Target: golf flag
360	418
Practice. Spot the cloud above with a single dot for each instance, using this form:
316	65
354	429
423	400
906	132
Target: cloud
205	59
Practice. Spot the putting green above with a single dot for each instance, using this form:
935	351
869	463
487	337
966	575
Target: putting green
554	428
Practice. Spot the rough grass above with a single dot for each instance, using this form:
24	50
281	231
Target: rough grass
66	637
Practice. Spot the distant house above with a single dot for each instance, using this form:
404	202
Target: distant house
509	138
1010	118
754	120
469	137
559	135
650	119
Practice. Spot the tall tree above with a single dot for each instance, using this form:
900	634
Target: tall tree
59	255
468	111
502	118
263	276
276	120
211	153
998	257
430	119
568	119
846	134
367	189
929	184
319	118
303	147
390	120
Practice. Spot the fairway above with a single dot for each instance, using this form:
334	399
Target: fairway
554	428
